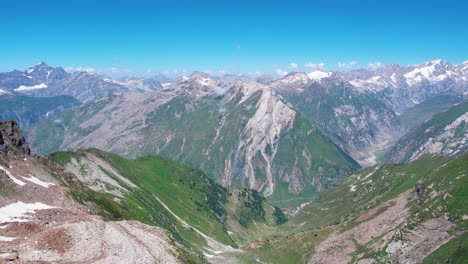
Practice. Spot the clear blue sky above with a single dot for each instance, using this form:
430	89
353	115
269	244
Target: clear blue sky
235	36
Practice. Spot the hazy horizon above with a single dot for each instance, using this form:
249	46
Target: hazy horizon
146	38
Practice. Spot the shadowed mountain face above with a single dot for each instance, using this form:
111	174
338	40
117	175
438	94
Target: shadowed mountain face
28	110
446	133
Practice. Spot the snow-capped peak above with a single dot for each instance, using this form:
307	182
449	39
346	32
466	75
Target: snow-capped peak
295	77
200	79
432	71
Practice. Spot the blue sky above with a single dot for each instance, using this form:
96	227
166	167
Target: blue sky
148	37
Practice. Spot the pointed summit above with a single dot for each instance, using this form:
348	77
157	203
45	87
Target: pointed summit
41	64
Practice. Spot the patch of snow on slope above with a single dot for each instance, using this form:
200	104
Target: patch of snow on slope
294	78
30	88
6	239
13	178
318	75
3	92
38	181
20	212
166	84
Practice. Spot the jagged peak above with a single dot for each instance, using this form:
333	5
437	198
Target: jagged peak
41	64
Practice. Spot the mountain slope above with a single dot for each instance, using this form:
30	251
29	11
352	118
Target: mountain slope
39	222
42	80
150	191
387	213
245	135
424	111
29	110
156	191
354	120
403	87
446	133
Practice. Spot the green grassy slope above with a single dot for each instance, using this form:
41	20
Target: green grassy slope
445	184
194	199
197	134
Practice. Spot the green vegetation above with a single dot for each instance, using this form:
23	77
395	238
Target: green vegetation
199	135
280	218
251	208
339	208
188	193
194	198
455	251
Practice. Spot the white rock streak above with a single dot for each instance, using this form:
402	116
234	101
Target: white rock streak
272	116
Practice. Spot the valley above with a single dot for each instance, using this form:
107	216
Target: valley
319	167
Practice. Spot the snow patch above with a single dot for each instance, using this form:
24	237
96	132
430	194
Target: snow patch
20	212
318	75
3	92
6	239
13	178
33	87
38	181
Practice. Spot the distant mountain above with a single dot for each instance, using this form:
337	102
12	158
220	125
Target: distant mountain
446	133
354	120
42	80
403	87
28	110
245	135
243	128
425	110
36	77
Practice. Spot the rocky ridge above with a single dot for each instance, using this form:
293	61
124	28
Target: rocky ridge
39	222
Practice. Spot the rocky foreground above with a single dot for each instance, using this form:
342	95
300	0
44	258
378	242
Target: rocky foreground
40	223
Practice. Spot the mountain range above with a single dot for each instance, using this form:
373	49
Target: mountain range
88	205
363	166
289	138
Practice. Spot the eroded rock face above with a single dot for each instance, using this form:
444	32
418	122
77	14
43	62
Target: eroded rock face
11	138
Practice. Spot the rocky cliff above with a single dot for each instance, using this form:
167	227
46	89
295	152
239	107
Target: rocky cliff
12	139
